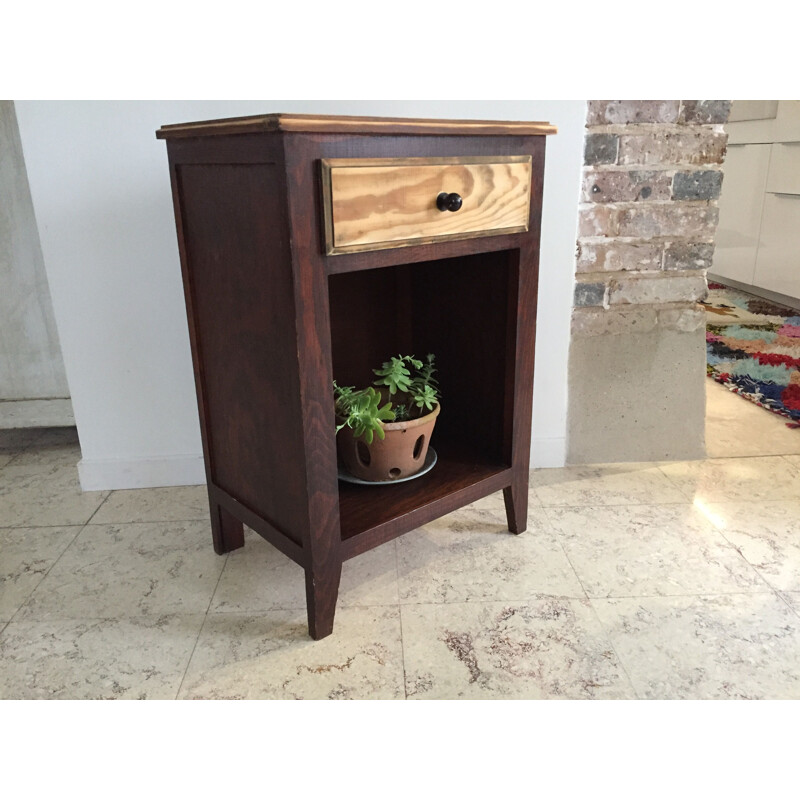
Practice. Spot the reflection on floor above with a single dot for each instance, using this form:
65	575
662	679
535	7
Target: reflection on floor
678	580
735	427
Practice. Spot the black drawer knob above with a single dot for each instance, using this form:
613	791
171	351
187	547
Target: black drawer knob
448	202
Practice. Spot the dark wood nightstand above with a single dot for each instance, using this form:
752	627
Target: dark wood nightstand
316	247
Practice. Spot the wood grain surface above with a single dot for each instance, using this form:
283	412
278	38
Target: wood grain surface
374	204
331	123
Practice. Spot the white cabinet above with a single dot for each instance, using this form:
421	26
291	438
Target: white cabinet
784	168
758	237
740	205
778	261
742	110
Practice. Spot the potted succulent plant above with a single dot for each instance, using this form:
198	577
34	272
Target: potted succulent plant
389	427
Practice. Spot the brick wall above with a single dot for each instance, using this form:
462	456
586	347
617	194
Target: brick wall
648	216
648	212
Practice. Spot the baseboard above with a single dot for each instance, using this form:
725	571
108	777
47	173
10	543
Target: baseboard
103	474
549	452
40	413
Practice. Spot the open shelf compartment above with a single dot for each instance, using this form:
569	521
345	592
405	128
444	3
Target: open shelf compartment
464	311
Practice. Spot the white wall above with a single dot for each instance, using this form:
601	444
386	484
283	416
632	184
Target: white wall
31	367
100	187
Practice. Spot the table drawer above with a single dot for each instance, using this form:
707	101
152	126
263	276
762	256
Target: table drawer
375	204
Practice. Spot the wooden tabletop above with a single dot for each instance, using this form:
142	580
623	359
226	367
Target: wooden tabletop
313	123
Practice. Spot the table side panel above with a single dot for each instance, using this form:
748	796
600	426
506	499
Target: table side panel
520	369
239	273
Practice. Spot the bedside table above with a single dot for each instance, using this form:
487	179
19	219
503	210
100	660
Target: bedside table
313	248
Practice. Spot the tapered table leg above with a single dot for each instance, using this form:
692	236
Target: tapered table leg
226	531
322	590
516	500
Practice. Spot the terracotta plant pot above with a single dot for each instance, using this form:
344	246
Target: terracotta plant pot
399	455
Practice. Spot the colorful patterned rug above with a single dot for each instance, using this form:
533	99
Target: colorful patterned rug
753	348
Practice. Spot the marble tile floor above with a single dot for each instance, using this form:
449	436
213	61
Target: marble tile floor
735	427
633	581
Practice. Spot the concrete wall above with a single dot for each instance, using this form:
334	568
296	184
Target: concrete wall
637	388
648	217
31	366
100	187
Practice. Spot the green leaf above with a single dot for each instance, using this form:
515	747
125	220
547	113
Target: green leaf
362	414
425	397
402	412
393	373
359	407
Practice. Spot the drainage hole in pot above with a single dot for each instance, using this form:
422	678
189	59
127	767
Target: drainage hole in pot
418	447
394	472
362	451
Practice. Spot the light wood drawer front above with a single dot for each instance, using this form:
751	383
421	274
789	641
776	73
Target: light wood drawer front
374	204
784	169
